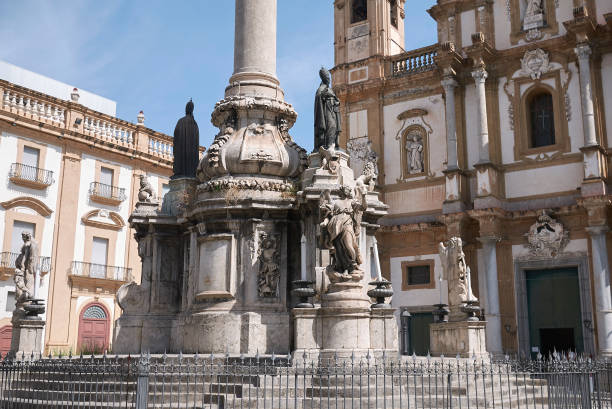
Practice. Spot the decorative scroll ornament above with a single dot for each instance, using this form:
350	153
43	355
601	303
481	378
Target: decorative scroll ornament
535	63
546	237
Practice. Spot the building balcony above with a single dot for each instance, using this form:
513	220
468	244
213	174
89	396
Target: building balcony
7	265
100	272
30	176
106	194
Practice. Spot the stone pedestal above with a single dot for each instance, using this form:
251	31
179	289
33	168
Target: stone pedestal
534	21
464	338
27	336
180	194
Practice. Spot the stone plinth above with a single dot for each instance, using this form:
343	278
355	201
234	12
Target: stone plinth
180	194
27	336
535	21
464	338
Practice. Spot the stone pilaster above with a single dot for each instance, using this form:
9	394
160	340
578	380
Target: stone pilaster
480	75
449	84
597	212
490	234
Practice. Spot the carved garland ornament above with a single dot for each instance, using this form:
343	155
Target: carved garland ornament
246	184
546	237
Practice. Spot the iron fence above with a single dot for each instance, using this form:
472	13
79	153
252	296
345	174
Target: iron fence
8	259
31	174
104	271
102	190
193	381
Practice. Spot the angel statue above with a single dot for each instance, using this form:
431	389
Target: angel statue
25	269
456	272
340	226
534	7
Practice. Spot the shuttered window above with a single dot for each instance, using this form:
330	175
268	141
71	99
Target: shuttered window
18	228
30	156
99	254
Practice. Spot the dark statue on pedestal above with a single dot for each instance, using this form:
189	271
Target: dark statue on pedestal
186	145
327	114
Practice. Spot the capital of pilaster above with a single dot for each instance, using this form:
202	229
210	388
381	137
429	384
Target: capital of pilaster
449	83
583	51
490	239
480	75
597	230
597	209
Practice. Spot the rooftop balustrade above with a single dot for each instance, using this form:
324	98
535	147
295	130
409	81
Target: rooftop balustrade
415	61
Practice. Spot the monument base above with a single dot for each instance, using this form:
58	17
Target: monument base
344	332
181	192
463	338
27	336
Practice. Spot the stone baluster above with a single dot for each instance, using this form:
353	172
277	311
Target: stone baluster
34	108
480	76
28	106
62	116
14	101
7	99
20	105
583	51
41	110
49	113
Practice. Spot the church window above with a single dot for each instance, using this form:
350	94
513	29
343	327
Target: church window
393	5
417	275
542	121
359	11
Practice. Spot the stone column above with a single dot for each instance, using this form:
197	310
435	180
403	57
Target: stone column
255	48
603	299
449	85
583	51
493	330
480	75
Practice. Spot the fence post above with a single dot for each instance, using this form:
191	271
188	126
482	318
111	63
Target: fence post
450	390
142	385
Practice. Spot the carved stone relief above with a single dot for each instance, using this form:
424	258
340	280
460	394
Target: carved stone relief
546	237
269	266
535	63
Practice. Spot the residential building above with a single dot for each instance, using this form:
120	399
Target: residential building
72	173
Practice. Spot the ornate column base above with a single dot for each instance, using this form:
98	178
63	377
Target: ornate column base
595	170
181	193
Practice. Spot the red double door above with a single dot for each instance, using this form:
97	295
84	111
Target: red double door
6	333
94	328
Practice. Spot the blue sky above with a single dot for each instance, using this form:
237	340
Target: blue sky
156	54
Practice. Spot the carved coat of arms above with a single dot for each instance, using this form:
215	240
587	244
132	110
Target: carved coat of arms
546	237
535	63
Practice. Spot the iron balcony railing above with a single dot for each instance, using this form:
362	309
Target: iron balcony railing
31	174
104	271
273	382
7	261
107	191
414	61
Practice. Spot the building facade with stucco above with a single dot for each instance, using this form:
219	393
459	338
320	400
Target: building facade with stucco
71	174
498	134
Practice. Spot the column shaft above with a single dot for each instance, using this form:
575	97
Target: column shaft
603	298
583	52
449	85
480	76
255	37
493	330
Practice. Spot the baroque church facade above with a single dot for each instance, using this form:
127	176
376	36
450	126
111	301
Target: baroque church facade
498	134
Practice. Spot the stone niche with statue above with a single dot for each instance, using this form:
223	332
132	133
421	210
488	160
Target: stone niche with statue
254	216
458	329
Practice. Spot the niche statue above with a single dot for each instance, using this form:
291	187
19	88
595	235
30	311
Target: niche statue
186	145
327	114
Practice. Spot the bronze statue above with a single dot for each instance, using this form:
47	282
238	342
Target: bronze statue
25	269
340	228
186	145
327	114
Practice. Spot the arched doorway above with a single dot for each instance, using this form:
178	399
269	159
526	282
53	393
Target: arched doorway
94	325
6	333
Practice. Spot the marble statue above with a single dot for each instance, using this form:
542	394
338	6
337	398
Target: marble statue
145	192
186	145
269	270
340	227
25	269
369	175
534	7
414	150
456	272
327	114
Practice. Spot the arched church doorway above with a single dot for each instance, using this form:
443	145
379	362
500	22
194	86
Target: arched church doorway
94	325
6	333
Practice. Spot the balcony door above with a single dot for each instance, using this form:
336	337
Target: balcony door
106	181
18	228
99	257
